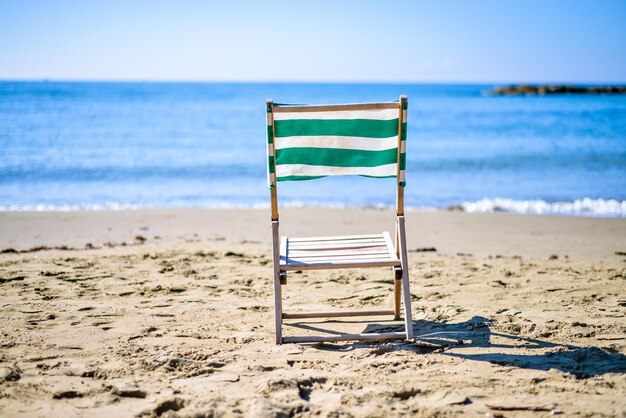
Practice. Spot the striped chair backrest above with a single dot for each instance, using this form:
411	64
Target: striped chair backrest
308	142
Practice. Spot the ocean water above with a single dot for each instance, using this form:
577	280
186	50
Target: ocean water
82	146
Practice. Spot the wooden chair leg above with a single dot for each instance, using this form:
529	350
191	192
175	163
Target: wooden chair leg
406	291
397	277
278	310
278	302
397	291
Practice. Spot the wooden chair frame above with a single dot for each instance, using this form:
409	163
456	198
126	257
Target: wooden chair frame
400	267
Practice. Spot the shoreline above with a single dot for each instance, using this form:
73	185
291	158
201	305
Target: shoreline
583	207
480	234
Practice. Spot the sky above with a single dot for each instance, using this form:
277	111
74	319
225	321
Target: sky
444	41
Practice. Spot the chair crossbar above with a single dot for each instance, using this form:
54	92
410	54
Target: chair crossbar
346	337
340	264
339	314
277	108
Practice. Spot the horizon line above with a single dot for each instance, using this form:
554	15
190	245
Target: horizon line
382	82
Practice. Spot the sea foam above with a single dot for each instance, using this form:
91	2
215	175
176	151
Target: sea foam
579	207
48	207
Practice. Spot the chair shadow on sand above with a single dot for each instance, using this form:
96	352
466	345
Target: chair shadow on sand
499	348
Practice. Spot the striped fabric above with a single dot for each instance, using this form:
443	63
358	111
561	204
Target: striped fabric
304	145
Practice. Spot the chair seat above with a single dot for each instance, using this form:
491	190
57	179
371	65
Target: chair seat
352	251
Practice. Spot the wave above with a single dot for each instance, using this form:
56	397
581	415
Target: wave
115	206
578	207
49	207
611	208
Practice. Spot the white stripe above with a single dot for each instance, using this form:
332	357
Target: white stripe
404	115
402	147
401	176
270	149
377	114
272	178
283	170
268	118
342	142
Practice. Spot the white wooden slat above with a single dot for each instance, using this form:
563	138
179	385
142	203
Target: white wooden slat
351	259
334	238
380	254
340	241
314	247
340	247
383	256
350	251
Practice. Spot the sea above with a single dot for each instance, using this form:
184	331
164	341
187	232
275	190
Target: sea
67	146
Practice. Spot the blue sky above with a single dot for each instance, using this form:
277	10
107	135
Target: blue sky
382	41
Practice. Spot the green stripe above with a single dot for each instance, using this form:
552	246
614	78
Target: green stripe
336	157
405	105
300	178
367	128
270	164
270	134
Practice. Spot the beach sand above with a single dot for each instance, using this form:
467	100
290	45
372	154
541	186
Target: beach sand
170	312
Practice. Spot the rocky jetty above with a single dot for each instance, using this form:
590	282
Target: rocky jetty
541	90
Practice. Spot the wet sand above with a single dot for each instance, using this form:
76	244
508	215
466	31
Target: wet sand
169	312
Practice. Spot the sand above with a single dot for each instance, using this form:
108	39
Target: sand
169	312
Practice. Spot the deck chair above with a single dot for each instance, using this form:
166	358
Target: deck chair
307	142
